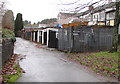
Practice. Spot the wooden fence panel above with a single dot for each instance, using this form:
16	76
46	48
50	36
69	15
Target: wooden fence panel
86	39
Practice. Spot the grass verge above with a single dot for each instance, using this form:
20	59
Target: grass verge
11	71
100	62
10	78
13	77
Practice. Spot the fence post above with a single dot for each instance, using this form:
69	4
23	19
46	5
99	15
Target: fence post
71	39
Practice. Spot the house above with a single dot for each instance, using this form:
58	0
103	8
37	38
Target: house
102	15
110	16
65	18
71	19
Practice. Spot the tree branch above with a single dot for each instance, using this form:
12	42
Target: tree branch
71	3
82	6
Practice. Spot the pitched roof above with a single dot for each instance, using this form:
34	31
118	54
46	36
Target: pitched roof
68	14
66	21
63	13
100	8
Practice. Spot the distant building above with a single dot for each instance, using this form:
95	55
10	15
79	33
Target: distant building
43	25
65	18
31	27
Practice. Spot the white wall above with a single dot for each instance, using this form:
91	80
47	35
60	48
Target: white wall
45	30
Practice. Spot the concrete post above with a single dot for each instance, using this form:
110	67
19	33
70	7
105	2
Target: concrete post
33	36
71	39
42	37
38	35
47	36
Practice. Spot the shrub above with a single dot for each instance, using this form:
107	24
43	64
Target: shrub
6	33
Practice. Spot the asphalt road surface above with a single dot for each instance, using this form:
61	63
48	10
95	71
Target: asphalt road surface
43	65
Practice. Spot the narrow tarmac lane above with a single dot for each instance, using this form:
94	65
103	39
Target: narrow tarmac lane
42	65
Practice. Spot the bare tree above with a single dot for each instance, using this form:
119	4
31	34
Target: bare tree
78	6
8	20
3	9
117	23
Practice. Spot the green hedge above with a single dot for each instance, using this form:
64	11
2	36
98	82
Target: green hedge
6	33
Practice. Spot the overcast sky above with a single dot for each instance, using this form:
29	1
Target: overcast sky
37	10
34	10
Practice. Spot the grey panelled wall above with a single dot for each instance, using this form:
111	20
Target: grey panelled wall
7	49
85	39
27	35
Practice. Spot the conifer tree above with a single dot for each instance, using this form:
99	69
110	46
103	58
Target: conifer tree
18	24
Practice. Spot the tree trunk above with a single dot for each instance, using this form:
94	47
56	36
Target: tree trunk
115	35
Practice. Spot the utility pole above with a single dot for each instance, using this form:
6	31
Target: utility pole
117	22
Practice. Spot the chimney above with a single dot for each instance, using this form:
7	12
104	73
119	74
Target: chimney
91	7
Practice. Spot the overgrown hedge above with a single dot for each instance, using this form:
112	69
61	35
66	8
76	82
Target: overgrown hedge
8	39
7	50
11	70
8	34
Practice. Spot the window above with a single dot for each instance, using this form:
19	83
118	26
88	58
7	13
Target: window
111	15
102	15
